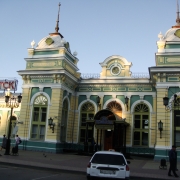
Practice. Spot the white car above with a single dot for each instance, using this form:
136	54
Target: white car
108	164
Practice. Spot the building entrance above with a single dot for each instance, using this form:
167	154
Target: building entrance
108	139
111	131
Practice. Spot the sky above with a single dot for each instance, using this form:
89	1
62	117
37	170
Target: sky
95	29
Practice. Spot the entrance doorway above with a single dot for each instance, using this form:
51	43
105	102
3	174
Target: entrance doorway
108	140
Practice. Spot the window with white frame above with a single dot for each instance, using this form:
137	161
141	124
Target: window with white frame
141	125
87	112
39	116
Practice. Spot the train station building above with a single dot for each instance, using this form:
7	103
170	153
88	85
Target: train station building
117	109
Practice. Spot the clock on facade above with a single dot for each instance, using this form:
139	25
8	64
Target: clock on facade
177	33
49	41
115	70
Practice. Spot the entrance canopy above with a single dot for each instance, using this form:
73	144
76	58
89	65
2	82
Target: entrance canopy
105	119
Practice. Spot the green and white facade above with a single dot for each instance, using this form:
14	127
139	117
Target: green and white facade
54	87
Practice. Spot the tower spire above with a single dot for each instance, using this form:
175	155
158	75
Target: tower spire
177	19
57	24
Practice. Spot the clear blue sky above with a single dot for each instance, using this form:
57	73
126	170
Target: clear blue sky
96	29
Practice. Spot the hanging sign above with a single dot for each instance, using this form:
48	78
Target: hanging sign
104	120
8	84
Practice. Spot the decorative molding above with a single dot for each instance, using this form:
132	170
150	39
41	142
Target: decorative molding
114	85
41	100
133	75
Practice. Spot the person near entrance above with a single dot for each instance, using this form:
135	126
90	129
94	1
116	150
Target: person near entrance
3	146
4	140
15	148
172	161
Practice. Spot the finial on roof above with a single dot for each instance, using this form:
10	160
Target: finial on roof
57	24
177	19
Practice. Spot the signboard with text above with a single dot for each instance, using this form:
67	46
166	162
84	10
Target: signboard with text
8	84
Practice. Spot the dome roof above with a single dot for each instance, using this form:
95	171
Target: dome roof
171	35
54	41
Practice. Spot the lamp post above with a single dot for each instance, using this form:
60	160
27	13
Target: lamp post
11	102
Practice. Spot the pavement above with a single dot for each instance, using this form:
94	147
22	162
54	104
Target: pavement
71	162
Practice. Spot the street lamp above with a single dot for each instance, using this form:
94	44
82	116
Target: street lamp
51	124
126	102
169	105
160	127
98	100
11	102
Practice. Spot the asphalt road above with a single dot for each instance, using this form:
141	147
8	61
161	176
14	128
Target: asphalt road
19	173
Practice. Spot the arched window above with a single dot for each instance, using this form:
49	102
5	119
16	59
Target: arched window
141	125
87	113
39	117
115	107
64	121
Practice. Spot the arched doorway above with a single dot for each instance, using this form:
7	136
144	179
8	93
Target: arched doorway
109	134
111	128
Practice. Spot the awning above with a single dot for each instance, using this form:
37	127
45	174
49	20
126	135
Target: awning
105	119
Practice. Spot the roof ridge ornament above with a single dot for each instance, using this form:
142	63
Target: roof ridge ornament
57	24
177	19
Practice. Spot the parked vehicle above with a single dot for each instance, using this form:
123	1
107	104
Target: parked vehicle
108	164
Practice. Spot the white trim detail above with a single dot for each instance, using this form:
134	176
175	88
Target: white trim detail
141	101
115	57
38	94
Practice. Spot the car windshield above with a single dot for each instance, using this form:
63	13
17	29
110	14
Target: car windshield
108	159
